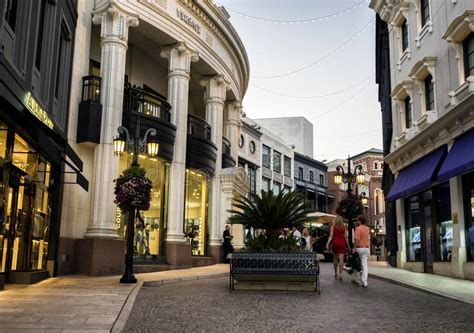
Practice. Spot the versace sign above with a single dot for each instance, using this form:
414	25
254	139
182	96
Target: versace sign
188	20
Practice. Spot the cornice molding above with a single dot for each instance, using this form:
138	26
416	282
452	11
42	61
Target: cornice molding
423	67
204	18
460	27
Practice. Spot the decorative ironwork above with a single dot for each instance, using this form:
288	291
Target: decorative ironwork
198	127
148	104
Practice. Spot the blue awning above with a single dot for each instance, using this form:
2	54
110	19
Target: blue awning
417	176
460	158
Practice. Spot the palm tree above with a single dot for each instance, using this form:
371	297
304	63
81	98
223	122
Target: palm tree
271	213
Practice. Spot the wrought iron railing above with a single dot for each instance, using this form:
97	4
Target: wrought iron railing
91	88
138	100
198	127
225	146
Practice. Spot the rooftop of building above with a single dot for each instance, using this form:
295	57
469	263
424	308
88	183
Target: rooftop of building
310	161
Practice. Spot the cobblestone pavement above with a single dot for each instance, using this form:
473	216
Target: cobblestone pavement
206	305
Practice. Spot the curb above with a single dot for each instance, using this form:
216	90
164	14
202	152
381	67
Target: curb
122	318
184	279
420	288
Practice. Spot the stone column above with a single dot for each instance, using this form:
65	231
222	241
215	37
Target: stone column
232	126
179	58
459	236
215	88
114	34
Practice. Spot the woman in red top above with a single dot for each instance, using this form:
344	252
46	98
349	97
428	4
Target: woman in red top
340	240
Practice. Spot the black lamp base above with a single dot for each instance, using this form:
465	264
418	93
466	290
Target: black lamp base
128	279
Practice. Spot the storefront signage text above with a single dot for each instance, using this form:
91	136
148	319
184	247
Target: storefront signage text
188	20
33	106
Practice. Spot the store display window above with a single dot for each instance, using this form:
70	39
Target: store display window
25	204
149	225
195	224
444	223
413	229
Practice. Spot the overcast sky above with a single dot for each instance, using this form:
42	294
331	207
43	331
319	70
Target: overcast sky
345	123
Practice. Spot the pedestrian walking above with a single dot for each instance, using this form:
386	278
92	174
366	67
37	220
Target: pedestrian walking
228	248
306	240
339	240
361	246
470	237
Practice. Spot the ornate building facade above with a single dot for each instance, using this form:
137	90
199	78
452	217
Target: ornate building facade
431	43
177	66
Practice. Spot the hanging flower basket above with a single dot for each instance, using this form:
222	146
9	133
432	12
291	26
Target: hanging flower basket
349	207
133	189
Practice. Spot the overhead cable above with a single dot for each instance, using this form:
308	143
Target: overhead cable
315	96
318	61
304	21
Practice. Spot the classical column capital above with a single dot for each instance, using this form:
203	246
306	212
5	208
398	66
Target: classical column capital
215	88
114	21
180	56
234	110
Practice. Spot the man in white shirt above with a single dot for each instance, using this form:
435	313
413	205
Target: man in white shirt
296	233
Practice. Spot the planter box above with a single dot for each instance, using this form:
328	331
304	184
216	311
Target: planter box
274	271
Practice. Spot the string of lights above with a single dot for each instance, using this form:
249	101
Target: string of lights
304	21
318	61
343	102
351	97
315	96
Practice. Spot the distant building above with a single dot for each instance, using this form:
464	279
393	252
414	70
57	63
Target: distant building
297	131
337	191
311	179
250	156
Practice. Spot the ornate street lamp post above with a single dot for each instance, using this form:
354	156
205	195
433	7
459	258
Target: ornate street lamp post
350	177
135	146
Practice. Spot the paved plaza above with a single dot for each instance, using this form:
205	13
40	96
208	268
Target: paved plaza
206	305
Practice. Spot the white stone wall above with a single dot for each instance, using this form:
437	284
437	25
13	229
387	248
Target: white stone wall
296	131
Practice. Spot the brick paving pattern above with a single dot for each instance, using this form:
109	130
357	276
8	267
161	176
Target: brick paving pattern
206	305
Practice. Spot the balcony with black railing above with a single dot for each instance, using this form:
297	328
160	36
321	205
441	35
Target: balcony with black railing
201	152
136	100
152	111
227	160
90	111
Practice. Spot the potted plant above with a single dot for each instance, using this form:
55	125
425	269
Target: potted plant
271	262
270	214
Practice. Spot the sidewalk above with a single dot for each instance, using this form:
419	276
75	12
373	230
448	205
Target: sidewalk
77	303
457	289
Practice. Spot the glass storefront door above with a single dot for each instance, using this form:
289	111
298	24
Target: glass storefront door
25	208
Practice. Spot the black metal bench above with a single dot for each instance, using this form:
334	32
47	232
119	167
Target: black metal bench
303	264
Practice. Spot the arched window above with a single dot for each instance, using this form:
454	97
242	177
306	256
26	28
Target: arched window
379	201
376	165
